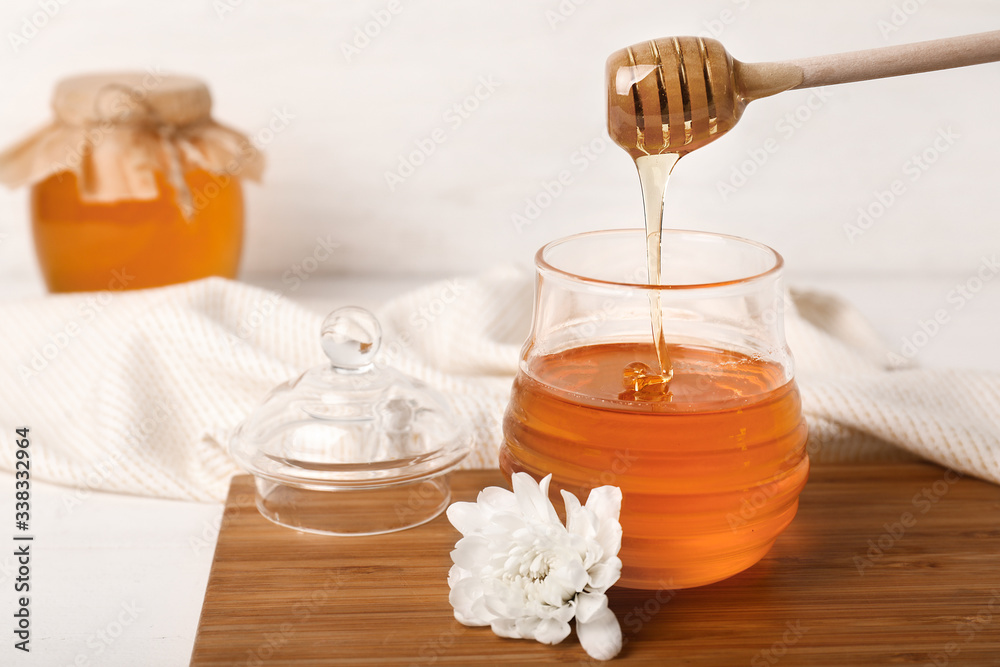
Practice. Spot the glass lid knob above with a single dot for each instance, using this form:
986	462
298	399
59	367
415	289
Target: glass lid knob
351	337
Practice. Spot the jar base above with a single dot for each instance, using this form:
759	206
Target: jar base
345	511
665	579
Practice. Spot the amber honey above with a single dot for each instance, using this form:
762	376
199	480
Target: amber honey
133	244
709	478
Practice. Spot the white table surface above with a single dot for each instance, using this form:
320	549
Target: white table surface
119	580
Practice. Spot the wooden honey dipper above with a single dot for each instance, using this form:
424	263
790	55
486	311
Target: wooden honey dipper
676	94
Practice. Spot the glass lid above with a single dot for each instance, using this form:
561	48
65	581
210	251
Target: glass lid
350	423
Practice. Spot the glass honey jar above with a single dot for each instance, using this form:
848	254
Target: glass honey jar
133	184
711	465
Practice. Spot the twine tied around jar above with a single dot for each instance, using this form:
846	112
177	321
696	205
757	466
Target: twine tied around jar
167	132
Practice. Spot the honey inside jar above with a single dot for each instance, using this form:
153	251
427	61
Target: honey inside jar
132	244
689	463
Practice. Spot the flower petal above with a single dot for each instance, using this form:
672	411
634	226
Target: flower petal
466	597
466	517
497	499
554	591
601	636
550	631
533	499
564	613
526	626
471	553
571	576
604	575
588	605
505	627
503	599
606	503
504	523
587	525
609	536
573	508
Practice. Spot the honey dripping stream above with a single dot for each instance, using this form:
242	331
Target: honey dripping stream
640	382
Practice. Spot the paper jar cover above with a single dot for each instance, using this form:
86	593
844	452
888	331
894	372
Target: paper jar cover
115	131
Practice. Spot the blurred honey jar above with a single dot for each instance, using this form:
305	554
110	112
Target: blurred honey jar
133	183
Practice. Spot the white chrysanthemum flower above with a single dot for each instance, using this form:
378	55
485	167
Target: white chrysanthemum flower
519	570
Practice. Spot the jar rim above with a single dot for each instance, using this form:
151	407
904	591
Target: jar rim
543	264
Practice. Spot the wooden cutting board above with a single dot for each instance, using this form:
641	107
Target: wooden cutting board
884	564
